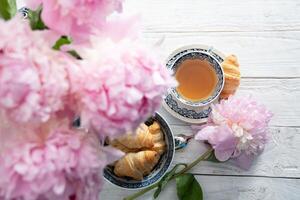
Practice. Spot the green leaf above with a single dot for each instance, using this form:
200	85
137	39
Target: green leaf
35	19
74	54
62	41
188	188
8	9
212	158
167	177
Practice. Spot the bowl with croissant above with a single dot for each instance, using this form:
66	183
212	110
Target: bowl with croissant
149	152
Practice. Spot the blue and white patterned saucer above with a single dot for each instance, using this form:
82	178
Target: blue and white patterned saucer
181	108
159	170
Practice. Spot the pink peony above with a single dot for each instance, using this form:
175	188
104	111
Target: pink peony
34	78
76	18
60	164
237	128
123	85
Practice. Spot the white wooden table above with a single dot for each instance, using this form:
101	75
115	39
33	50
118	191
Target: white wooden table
265	35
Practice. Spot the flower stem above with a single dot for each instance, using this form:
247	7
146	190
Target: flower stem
140	193
195	162
187	168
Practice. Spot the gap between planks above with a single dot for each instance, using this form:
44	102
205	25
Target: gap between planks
247	176
149	31
267	77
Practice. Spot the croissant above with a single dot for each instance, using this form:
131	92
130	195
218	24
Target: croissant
121	147
158	138
155	127
136	165
141	139
232	76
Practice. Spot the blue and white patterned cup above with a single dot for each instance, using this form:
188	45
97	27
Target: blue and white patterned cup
180	107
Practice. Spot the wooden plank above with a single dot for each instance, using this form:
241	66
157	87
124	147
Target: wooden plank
224	188
265	35
190	15
279	159
261	54
222	15
279	95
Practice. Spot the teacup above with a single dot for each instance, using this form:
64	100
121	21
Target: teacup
194	111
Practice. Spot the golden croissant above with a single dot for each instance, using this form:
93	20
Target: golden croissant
118	145
158	138
155	127
232	76
136	165
141	139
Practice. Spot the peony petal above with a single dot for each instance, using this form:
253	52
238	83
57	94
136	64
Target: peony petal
113	154
216	117
34	85
59	187
223	154
244	161
133	88
133	96
225	143
56	176
240	129
21	168
206	132
79	18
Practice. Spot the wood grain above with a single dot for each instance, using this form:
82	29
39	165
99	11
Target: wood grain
221	15
279	158
279	95
259	48
265	35
225	188
273	176
261	54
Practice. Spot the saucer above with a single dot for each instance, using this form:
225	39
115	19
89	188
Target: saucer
187	111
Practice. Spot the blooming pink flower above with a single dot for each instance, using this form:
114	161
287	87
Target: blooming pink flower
76	18
237	128
60	164
115	87
34	78
124	85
